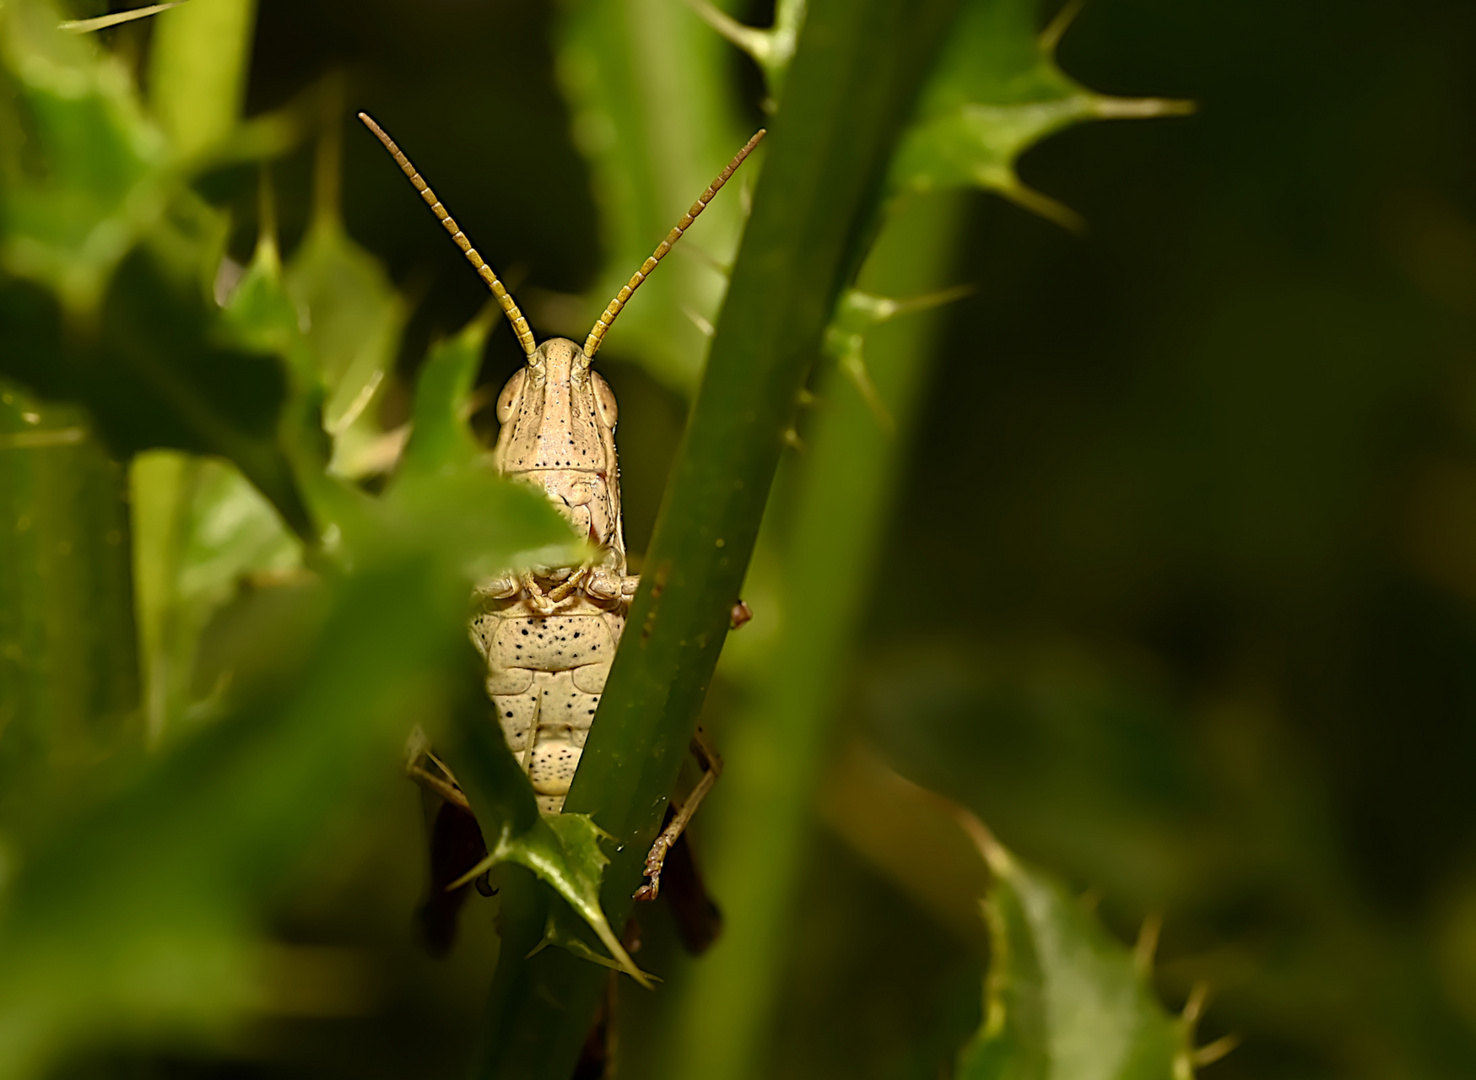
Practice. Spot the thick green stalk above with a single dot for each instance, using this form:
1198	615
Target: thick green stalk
778	748
197	70
855	76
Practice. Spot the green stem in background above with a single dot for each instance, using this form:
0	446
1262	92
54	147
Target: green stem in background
777	749
163	484
647	85
855	76
197	70
68	662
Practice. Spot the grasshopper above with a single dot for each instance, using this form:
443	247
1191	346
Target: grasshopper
549	634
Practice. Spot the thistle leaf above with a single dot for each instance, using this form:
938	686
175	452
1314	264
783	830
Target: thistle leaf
996	92
1064	1000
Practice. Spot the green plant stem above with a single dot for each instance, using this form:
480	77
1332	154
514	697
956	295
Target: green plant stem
777	749
855	76
197	70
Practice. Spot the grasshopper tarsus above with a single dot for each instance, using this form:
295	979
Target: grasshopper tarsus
678	816
696	918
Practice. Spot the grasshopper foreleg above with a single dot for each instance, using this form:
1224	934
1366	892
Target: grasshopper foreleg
604	584
712	767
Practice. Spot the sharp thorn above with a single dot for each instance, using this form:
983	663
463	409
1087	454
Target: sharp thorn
1194	1006
1051	36
1210	1053
1147	943
706	328
102	22
855	368
1116	108
1047	207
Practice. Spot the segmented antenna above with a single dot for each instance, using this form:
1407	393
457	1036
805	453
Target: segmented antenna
509	306
597	335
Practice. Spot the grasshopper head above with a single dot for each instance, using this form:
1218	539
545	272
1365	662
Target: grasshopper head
558	431
556	414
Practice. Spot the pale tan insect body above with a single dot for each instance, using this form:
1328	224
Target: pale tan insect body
549	635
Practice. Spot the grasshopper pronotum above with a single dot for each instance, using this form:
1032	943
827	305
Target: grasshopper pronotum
549	634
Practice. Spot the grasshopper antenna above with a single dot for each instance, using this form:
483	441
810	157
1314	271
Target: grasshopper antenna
509	305
597	335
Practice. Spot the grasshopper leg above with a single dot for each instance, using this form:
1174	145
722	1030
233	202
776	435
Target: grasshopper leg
712	768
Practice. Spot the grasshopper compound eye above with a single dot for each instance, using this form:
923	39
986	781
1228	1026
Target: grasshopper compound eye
549	634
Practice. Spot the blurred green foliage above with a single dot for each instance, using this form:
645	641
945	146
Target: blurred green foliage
1153	551
1064	999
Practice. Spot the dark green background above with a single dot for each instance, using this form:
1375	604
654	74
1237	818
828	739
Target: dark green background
1179	591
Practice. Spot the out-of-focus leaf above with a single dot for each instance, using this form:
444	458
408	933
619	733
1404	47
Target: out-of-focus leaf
200	528
447	492
448	498
166	375
996	92
909	839
155	371
653	116
124	326
87	179
480	521
349	315
354	319
68	663
260	315
197	71
1064	999
440	437
139	917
